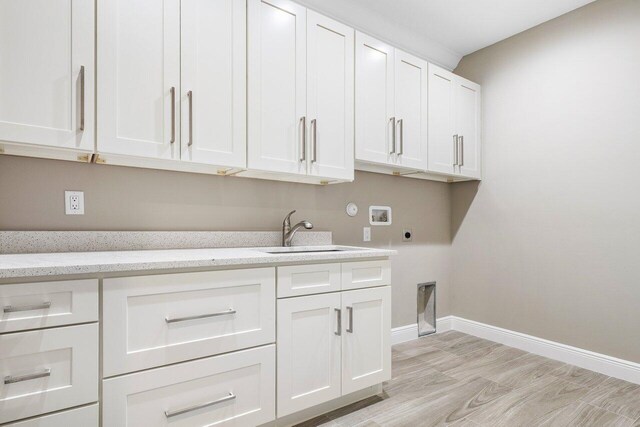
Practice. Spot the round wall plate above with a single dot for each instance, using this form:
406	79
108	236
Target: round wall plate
352	209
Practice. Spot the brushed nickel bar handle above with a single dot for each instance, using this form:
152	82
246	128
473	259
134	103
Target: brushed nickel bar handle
190	97
339	315
401	123
350	328
12	379
303	150
461	155
177	412
455	150
173	114
82	97
314	140
199	316
393	135
12	309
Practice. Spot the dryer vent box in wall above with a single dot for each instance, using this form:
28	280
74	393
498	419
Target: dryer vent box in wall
426	308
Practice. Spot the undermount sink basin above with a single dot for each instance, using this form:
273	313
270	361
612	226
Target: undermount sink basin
304	250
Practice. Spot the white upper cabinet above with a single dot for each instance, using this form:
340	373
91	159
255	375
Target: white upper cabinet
375	119
454	124
330	81
277	86
468	128
46	73
139	74
301	72
391	105
411	110
442	139
213	82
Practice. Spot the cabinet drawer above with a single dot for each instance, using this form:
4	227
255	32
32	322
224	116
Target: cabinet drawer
47	370
310	279
235	389
150	321
45	304
365	274
80	417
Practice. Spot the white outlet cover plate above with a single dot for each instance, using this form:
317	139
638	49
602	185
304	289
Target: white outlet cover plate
74	202
366	234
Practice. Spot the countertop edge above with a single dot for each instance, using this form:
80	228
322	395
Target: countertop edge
265	260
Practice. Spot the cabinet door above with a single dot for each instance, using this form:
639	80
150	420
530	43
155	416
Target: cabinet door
411	110
330	80
213	82
442	135
308	351
374	101
277	86
468	127
139	71
366	339
46	72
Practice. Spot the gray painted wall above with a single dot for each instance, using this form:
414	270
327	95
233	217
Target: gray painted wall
120	198
548	244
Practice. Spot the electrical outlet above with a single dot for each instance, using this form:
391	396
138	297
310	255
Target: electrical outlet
407	235
74	202
366	234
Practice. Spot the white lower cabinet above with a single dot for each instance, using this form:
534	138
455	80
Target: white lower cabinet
366	340
331	345
235	389
308	351
87	416
47	370
151	321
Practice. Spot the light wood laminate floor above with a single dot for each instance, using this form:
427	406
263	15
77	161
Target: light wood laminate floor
460	380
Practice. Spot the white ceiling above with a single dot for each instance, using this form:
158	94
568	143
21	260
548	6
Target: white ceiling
444	30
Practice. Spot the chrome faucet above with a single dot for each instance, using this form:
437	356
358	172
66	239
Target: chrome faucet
288	231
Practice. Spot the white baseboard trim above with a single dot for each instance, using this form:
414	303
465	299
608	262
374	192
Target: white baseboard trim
410	332
607	365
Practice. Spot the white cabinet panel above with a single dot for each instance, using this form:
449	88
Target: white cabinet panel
155	320
309	279
366	339
230	390
411	110
46	72
442	132
365	274
86	416
308	351
46	304
330	97
468	125
374	100
139	72
213	82
277	86
47	370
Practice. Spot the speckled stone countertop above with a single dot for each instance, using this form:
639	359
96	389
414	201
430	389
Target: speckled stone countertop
71	263
30	242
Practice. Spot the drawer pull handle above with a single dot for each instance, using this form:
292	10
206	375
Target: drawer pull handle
339	318
10	379
227	398
350	328
12	309
199	316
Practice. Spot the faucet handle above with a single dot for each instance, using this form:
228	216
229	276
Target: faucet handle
287	219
